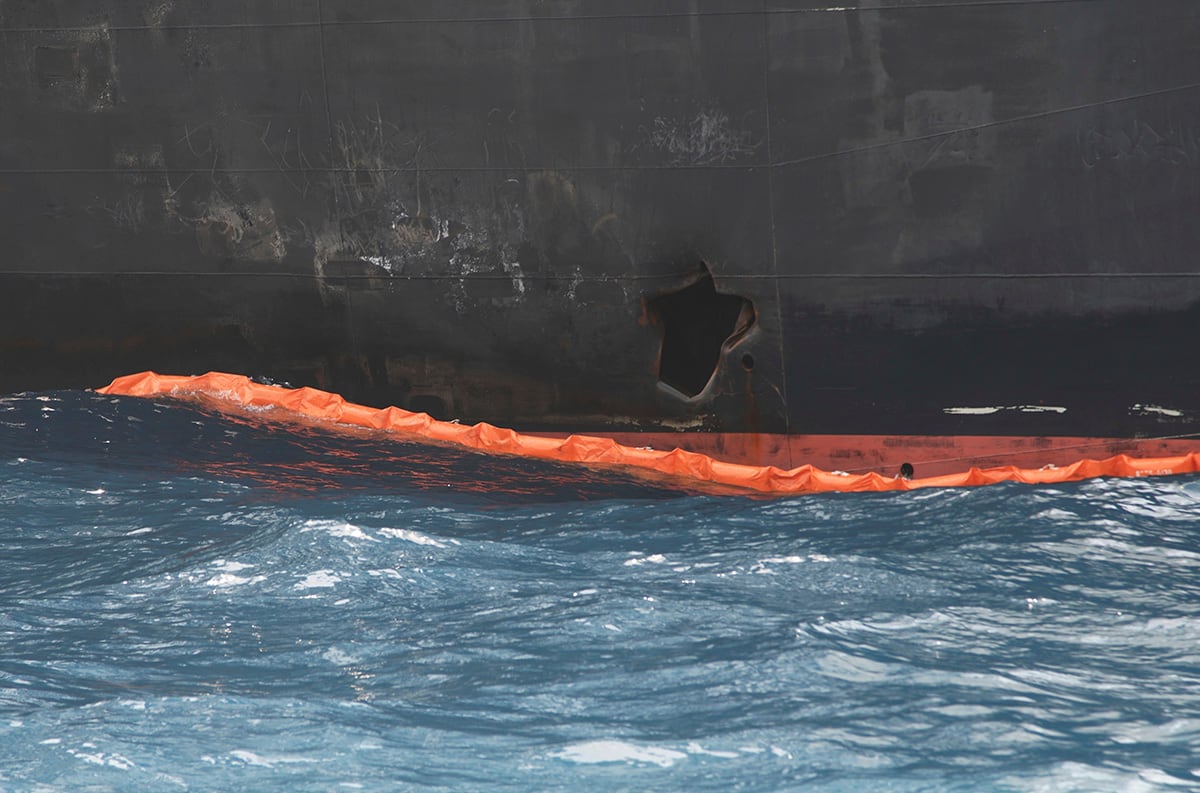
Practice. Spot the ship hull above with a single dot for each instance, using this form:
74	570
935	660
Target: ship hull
778	232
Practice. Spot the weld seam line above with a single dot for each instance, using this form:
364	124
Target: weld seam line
666	167
302	23
600	278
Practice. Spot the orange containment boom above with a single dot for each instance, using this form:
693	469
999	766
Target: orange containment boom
331	409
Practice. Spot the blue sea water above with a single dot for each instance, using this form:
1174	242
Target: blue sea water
202	602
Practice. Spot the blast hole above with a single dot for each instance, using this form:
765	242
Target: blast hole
428	403
696	322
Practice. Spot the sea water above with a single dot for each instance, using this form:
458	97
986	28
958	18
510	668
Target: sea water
202	602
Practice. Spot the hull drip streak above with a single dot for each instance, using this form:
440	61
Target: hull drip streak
232	392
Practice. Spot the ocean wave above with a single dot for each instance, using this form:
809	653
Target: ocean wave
185	607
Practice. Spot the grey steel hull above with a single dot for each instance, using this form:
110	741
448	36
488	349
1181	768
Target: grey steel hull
712	218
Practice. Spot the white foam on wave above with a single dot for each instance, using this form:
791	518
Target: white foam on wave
695	748
227	577
1072	775
783	560
1180	506
226	580
637	561
1106	548
251	758
321	579
610	751
338	657
415	537
764	566
1178	731
337	528
1054	513
853	668
112	760
614	751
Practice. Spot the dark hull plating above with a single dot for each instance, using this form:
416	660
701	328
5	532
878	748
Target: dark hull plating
711	217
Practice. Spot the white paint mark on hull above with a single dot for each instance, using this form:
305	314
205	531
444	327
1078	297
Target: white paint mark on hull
992	409
1146	410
